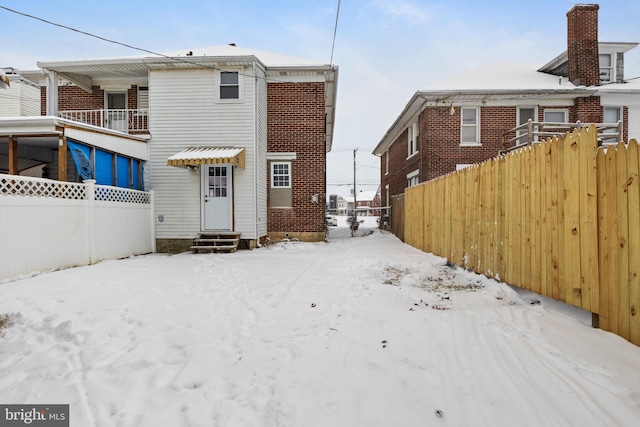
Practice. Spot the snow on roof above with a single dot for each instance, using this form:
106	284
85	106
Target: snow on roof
267	58
502	76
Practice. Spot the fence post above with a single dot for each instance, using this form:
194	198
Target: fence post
91	218
152	222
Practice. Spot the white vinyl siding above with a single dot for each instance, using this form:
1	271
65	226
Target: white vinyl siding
20	99
261	152
182	115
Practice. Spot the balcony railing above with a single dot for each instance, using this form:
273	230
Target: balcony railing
531	132
127	121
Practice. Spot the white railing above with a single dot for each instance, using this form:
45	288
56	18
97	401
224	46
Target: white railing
47	224
128	121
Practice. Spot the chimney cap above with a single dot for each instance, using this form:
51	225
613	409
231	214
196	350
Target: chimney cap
584	6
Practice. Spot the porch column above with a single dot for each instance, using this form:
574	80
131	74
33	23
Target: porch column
13	155
62	158
52	93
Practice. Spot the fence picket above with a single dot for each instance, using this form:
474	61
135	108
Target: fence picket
633	195
623	243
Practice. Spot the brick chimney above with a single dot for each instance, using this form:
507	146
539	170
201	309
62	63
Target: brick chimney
582	45
583	59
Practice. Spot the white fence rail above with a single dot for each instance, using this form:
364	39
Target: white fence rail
46	224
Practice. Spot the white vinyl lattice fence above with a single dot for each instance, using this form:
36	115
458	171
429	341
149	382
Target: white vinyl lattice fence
35	187
116	194
47	224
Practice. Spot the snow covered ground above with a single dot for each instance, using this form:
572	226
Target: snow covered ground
362	331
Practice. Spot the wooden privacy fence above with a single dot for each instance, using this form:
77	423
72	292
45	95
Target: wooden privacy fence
560	218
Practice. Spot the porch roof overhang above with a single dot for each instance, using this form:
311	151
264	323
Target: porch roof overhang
197	156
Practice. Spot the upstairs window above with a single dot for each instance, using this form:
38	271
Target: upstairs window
412	140
229	85
606	67
386	162
143	97
469	132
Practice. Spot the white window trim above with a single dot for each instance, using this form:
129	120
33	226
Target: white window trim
240	86
535	128
386	157
556	110
412	140
611	68
412	174
281	156
273	164
477	142
620	114
461	166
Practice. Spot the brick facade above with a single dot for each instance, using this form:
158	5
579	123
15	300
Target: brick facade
439	145
295	124
76	98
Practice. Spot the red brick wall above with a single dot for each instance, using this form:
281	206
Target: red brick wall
295	123
75	98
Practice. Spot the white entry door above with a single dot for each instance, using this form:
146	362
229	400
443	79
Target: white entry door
217	200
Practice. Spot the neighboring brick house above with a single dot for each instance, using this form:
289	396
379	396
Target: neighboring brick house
236	139
467	119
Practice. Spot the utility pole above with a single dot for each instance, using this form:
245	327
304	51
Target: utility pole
354	224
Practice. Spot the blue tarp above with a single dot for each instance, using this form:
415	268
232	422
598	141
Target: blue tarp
128	169
82	158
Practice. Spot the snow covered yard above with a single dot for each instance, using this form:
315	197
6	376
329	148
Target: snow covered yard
361	331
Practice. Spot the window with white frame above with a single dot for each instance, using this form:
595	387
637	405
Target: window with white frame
229	85
281	174
412	139
606	67
143	97
611	115
469	126
386	162
413	178
556	115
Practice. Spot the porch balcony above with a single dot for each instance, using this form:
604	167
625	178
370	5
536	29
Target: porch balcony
532	132
131	121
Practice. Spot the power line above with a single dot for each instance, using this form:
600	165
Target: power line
335	30
173	58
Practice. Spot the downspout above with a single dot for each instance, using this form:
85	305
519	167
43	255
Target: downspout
255	156
420	138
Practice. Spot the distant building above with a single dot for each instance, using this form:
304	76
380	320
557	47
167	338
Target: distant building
474	117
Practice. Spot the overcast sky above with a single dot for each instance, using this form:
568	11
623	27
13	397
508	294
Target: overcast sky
386	50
